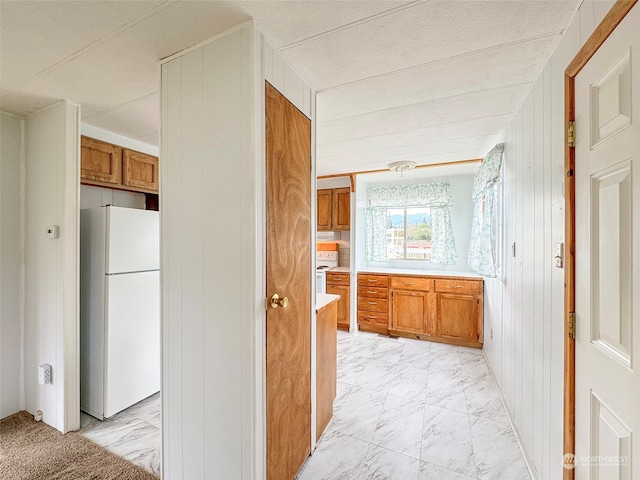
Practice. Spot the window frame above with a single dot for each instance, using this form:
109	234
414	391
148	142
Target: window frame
404	235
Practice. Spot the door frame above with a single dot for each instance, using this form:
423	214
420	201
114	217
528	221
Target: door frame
591	46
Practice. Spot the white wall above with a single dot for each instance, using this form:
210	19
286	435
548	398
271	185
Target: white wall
526	352
207	236
51	265
212	240
11	273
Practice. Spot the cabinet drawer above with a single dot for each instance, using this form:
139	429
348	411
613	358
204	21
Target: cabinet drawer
373	281
459	286
373	318
412	283
334	278
373	304
373	292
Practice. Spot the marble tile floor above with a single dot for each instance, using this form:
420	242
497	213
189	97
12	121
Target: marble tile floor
414	410
134	434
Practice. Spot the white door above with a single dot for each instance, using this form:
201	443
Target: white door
134	240
607	94
133	340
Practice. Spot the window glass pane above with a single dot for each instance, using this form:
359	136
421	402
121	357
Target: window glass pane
395	233
418	235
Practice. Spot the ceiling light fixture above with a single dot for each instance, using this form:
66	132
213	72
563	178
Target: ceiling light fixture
402	166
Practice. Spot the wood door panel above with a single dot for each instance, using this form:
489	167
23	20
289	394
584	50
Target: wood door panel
288	344
381	281
373	318
326	369
343	303
334	278
458	286
100	162
341	211
139	170
323	207
412	283
373	304
373	292
457	316
410	311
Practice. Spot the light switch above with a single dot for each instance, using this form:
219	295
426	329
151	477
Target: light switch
559	255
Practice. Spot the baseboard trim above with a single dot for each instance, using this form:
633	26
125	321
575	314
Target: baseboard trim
525	454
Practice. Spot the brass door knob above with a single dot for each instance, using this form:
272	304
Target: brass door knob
276	301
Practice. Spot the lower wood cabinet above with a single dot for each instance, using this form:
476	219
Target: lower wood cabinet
338	284
326	352
373	303
458	317
443	309
410	311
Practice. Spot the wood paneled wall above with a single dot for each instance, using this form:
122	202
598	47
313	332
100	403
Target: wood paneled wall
525	306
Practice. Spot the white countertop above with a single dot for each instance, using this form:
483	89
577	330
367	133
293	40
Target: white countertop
339	269
411	271
324	299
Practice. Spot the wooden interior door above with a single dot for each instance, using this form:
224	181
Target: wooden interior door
607	250
288	344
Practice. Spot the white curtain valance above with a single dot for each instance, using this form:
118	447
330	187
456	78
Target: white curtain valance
419	195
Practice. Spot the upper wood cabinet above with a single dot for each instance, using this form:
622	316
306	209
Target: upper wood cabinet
324	207
106	165
334	209
341	214
100	162
140	170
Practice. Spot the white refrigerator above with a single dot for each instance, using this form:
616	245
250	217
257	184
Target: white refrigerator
119	308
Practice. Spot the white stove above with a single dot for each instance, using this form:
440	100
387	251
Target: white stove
324	261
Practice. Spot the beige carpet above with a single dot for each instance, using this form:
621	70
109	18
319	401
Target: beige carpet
31	450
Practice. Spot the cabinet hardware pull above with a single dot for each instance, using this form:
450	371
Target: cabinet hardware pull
372	303
371	280
371	316
408	283
369	291
456	286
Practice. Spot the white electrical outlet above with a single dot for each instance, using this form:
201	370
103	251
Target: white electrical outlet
44	374
53	231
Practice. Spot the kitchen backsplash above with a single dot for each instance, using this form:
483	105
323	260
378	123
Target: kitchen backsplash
343	239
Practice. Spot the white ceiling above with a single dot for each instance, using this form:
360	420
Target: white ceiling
429	81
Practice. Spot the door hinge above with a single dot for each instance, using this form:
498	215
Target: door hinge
571	133
572	325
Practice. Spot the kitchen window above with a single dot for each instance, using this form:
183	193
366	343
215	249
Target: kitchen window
410	223
409	233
